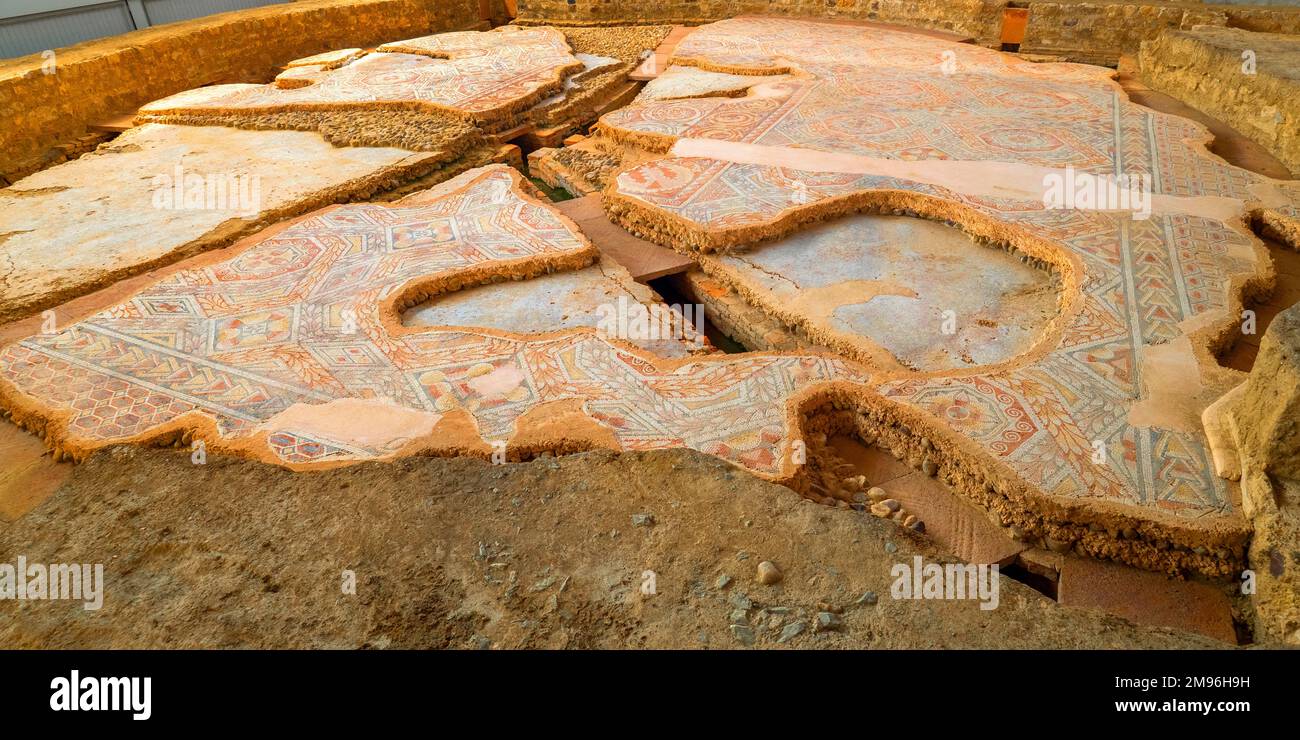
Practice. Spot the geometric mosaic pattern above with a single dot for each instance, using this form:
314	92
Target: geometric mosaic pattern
481	74
892	96
305	314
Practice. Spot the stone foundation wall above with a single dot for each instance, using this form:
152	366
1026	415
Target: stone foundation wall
45	105
1264	20
1205	68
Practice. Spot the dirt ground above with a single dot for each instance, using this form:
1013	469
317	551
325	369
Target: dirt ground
460	553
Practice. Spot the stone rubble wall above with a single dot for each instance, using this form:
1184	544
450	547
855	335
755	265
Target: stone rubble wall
739	319
1205	68
1099	32
98	79
981	19
1094	32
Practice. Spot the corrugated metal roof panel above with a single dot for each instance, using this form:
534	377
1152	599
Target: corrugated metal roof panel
32	26
33	33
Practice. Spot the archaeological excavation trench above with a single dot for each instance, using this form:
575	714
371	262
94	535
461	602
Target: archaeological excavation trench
859	210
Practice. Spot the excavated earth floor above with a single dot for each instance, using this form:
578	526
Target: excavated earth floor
464	554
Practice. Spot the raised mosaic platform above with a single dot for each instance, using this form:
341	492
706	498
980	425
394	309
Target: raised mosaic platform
486	77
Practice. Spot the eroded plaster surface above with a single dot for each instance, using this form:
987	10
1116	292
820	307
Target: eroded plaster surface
693	82
898	292
590	297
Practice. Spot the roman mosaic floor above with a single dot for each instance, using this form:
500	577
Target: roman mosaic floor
366	122
1066	398
967	136
282	343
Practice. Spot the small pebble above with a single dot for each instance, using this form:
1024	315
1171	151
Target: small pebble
743	633
891	548
877	494
723	581
869	598
768	573
791	631
643	520
1058	545
827	621
741	601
